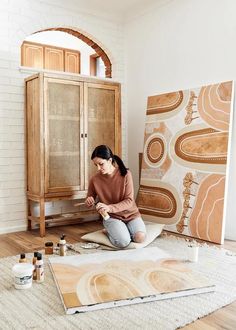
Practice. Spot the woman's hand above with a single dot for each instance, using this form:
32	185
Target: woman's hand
89	202
101	208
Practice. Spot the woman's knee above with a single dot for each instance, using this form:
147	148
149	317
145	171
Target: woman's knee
121	243
139	237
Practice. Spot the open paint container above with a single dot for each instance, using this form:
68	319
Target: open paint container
22	273
193	253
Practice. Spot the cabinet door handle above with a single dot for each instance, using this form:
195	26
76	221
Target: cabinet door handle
82	135
85	135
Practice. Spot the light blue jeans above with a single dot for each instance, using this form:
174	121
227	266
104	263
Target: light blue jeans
122	233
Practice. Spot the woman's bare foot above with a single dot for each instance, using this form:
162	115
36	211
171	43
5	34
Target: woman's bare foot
104	231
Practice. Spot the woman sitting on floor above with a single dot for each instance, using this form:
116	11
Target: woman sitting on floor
112	186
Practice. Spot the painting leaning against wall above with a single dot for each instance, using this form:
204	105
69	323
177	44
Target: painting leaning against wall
184	164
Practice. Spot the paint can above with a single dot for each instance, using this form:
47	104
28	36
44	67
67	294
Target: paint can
193	253
49	248
23	273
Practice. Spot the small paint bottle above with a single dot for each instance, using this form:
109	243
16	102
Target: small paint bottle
62	245
34	264
105	215
23	258
39	268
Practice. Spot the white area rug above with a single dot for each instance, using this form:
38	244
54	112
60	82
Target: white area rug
41	308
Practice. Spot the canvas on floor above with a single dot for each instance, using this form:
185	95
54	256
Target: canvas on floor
184	164
109	279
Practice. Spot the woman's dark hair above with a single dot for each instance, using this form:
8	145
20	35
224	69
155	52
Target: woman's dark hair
105	152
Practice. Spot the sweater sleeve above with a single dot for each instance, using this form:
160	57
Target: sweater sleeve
91	189
128	199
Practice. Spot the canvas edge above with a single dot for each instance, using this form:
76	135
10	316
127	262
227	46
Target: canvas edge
139	300
225	209
57	285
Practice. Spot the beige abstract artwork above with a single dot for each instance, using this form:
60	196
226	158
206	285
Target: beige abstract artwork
184	165
109	279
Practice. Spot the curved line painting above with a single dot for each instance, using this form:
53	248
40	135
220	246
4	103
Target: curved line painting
104	280
165	102
203	146
168	104
155	150
214	103
184	169
156	145
205	220
158	202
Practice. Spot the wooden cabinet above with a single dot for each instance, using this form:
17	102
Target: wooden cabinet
32	55
72	61
66	118
50	57
53	58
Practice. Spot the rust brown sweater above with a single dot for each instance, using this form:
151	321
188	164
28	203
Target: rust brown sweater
116	191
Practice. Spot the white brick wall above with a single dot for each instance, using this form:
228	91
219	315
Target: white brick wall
19	19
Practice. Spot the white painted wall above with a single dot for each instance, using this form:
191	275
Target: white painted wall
19	19
175	45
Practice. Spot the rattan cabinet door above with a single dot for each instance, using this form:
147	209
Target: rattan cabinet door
64	142
103	119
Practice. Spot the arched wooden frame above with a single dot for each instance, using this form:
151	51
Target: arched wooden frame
89	42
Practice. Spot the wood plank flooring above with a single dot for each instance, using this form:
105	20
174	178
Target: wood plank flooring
29	241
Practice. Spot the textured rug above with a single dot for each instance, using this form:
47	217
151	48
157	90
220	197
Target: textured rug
41	308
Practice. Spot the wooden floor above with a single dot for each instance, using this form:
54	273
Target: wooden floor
16	243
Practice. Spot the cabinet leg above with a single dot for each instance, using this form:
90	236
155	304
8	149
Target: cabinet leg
29	227
42	218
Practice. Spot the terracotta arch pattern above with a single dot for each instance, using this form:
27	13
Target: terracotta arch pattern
164	102
188	194
205	219
214	105
203	146
157	201
116	278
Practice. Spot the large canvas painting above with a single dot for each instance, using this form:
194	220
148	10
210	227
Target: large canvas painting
184	166
110	279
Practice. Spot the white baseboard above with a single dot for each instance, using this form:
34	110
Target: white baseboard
14	229
231	237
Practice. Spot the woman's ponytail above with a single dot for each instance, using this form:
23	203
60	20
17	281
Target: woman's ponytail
104	152
121	165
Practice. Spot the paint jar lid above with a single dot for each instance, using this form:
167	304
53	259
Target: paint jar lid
49	244
23	269
22	256
35	254
39	256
